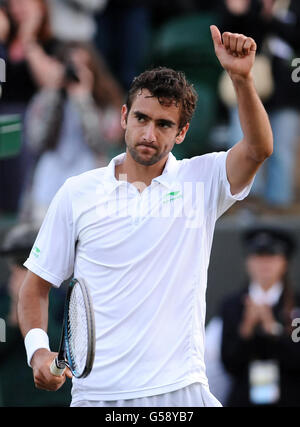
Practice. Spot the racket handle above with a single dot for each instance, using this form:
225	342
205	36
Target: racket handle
55	369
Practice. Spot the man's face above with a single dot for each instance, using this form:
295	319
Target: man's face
151	129
267	268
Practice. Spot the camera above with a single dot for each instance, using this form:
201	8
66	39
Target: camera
71	75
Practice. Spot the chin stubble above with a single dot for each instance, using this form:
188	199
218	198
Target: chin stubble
154	159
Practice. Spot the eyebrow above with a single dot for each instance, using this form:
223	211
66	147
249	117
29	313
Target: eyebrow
139	114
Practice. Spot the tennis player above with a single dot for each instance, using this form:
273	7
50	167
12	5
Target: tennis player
140	231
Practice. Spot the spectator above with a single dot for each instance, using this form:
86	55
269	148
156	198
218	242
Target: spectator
25	34
74	19
16	386
257	346
125	29
27	24
123	32
276	26
72	122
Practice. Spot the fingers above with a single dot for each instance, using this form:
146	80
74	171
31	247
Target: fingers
68	373
48	382
216	35
238	44
250	44
266	313
43	379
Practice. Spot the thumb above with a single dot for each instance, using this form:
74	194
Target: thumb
68	373
216	35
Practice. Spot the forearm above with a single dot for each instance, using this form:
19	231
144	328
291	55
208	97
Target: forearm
255	124
4	27
46	70
34	54
33	304
33	313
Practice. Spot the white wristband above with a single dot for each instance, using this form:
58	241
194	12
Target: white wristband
36	338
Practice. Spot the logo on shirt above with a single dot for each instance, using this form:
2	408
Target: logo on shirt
173	195
36	251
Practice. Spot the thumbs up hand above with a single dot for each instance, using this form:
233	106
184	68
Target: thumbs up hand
235	52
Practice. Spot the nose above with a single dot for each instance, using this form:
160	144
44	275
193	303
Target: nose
149	133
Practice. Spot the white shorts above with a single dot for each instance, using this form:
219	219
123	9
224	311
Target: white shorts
194	395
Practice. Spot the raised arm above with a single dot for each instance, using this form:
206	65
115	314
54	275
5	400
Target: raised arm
236	54
33	315
4	26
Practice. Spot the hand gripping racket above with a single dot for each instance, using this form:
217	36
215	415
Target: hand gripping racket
77	345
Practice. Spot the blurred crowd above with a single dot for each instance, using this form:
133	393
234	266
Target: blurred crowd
252	343
69	64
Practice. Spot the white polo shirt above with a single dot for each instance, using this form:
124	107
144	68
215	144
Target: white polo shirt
145	258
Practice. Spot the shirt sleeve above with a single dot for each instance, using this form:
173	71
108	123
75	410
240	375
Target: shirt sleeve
225	198
53	253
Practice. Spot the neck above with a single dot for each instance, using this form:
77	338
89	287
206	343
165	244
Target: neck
138	174
266	284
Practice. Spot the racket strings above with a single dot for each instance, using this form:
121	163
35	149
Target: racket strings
77	331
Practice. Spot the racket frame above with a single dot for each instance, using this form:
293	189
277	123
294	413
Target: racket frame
64	357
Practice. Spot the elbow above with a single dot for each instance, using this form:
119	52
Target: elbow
268	153
262	154
260	148
268	147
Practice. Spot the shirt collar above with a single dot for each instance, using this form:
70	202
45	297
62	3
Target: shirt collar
269	297
167	178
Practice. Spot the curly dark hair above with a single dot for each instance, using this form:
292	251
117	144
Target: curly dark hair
168	86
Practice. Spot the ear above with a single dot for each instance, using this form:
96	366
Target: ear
124	117
180	137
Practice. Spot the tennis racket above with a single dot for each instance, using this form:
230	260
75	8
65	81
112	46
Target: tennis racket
77	344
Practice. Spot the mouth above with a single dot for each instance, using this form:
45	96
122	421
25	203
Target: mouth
146	146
